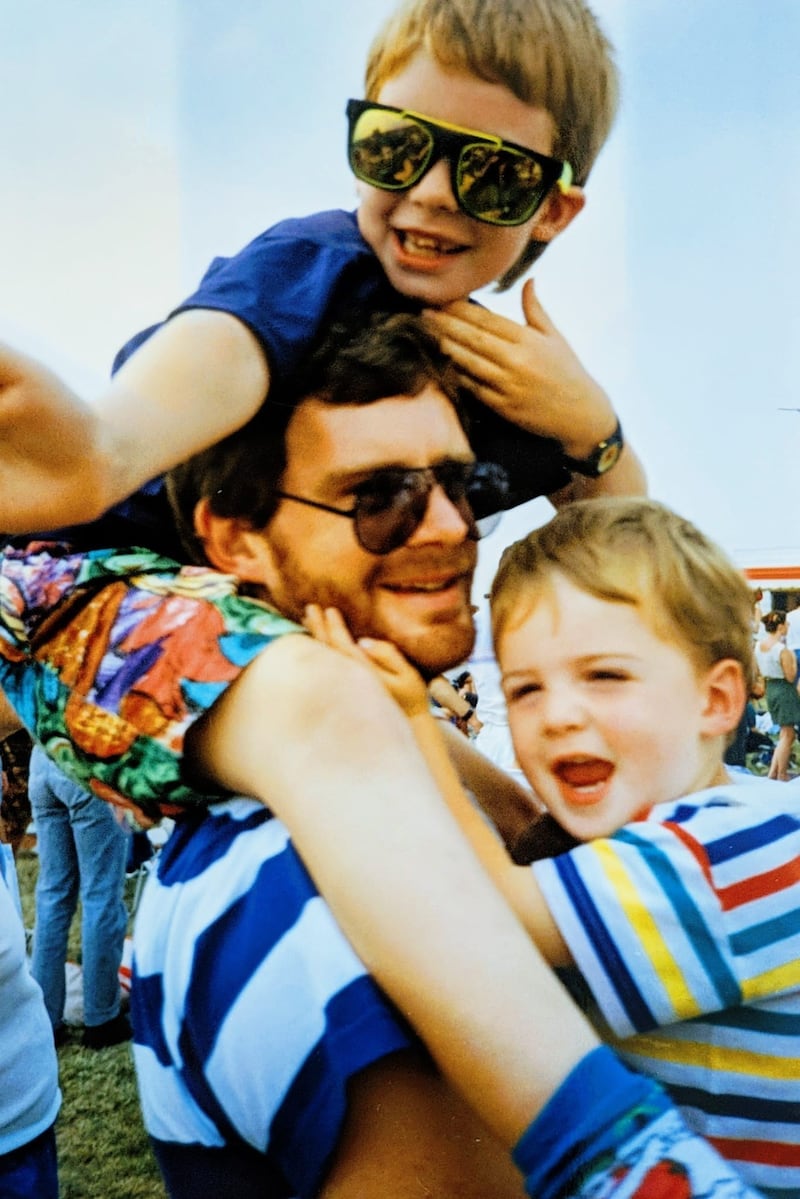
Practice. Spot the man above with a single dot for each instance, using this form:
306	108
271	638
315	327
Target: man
279	1037
269	1060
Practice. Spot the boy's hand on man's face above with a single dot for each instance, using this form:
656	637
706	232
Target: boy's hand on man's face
402	680
527	372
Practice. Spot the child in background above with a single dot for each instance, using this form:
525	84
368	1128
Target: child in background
625	643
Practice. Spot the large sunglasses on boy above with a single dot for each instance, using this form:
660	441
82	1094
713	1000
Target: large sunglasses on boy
493	181
391	504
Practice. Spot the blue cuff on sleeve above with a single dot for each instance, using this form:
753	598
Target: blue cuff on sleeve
598	1107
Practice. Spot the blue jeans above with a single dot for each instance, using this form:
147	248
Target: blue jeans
31	1170
82	850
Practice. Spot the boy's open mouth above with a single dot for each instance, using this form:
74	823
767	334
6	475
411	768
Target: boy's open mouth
583	773
423	245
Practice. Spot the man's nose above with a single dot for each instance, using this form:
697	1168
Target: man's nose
443	522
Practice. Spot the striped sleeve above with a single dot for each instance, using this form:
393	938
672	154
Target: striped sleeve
690	913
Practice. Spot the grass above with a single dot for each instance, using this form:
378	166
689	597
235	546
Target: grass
103	1151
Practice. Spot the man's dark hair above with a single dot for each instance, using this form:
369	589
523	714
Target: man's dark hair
354	364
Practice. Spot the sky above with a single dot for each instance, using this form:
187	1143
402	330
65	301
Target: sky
140	139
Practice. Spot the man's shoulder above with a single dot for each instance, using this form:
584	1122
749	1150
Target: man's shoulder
297	667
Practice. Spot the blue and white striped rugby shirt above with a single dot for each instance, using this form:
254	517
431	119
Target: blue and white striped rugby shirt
251	1011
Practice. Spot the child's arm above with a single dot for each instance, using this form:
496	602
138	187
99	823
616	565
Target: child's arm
64	460
510	806
338	763
406	686
531	375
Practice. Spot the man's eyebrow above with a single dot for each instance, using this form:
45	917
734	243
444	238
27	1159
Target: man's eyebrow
347	477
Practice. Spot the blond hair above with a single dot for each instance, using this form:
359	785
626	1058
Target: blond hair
638	552
551	54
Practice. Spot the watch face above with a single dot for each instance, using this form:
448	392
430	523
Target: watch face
607	457
603	457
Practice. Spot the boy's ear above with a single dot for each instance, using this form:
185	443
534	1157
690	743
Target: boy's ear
559	210
725	697
232	546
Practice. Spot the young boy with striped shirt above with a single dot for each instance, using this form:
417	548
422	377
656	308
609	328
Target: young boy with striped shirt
624	641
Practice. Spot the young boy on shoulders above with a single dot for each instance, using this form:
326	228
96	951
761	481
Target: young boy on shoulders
624	639
478	133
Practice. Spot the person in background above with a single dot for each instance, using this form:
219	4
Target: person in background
29	1095
778	667
793	629
82	846
450	704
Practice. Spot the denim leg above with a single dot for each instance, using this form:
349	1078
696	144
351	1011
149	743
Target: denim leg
56	888
102	845
82	847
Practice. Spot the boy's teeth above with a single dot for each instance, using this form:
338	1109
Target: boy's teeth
423	245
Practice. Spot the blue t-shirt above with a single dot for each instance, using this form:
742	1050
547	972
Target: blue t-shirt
287	286
251	1011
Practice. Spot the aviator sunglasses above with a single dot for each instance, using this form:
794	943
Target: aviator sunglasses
391	504
493	181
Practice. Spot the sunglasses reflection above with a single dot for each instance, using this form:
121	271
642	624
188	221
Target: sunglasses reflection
392	157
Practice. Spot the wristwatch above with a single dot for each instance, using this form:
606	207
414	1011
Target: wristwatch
604	455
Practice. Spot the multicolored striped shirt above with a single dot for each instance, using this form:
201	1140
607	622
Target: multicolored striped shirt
686	928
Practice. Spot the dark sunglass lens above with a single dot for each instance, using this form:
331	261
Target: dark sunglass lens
388	150
487	490
382	532
389	508
499	185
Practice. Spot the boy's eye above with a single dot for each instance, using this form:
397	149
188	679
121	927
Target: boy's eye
520	691
608	675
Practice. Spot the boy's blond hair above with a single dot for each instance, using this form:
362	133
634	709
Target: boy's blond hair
634	551
551	54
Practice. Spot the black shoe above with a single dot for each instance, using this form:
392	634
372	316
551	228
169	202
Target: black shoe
60	1035
113	1032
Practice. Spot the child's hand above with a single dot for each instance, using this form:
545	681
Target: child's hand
528	373
399	677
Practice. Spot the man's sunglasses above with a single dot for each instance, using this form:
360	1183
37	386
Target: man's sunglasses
493	181
391	504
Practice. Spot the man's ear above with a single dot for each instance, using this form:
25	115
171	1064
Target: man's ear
725	697
232	545
559	210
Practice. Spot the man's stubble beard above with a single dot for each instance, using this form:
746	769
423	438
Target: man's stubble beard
297	588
